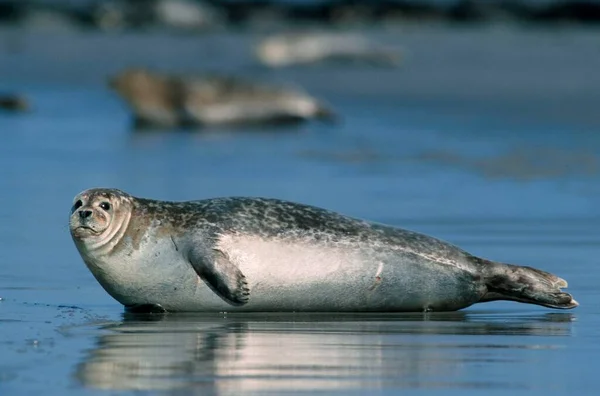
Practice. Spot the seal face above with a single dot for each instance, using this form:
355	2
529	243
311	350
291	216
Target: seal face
259	254
99	220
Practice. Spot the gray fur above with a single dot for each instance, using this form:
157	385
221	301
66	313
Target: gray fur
258	254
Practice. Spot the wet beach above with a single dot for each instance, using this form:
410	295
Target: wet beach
485	136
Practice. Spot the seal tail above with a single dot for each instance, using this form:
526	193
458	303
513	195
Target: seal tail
526	285
326	114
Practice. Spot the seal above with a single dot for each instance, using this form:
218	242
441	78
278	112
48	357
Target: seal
316	47
261	254
14	102
161	100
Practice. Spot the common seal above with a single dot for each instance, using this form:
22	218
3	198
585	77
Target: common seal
304	48
13	102
167	100
260	254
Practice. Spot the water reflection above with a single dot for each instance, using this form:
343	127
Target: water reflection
275	352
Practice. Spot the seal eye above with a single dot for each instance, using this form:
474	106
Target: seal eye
77	205
105	205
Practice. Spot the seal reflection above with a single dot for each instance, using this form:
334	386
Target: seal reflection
277	352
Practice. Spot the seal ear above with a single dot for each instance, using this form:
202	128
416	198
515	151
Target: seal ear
222	276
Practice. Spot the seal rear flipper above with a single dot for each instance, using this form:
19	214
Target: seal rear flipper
526	285
327	115
223	277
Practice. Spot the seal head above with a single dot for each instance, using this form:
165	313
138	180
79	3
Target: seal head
99	218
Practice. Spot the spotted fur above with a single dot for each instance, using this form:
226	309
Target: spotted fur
270	254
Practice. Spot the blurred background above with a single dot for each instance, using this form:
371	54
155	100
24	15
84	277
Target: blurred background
473	121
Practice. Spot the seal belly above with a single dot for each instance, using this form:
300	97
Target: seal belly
305	275
132	277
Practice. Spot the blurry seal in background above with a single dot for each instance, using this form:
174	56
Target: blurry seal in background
14	102
169	101
304	48
259	254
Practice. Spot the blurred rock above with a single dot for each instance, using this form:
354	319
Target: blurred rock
49	20
288	49
111	15
480	11
344	12
170	101
13	102
582	11
171	14
38	15
194	15
10	11
186	15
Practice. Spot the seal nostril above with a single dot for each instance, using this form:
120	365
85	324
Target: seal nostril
85	213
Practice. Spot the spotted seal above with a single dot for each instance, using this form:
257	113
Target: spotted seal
259	254
160	100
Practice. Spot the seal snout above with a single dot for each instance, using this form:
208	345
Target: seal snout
84	214
83	224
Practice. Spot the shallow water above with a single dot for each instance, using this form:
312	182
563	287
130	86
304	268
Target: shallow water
503	162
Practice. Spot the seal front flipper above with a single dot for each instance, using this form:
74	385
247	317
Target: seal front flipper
222	276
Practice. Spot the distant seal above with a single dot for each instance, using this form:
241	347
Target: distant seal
258	254
314	47
161	100
14	102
